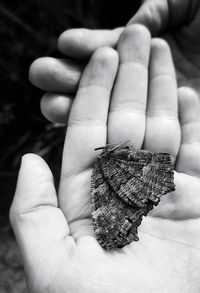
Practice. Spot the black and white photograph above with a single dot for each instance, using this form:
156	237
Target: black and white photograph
100	146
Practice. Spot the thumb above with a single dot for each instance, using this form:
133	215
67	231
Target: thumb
38	223
158	15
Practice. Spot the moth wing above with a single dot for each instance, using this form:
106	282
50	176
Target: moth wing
123	173
161	176
99	191
139	177
115	223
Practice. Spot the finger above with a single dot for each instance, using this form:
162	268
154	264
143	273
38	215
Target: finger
81	43
162	128
128	105
88	117
158	15
56	107
34	213
86	130
189	154
56	75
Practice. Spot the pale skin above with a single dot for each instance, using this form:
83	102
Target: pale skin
176	21
55	234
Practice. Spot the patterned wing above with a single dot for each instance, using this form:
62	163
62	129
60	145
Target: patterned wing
125	186
137	177
159	175
115	223
123	172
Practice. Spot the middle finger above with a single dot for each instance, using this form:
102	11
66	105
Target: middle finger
128	105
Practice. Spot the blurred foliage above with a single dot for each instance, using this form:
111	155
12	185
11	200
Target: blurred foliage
11	269
29	29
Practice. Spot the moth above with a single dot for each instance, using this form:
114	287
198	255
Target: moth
125	186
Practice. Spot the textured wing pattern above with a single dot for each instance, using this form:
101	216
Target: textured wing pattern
125	186
115	223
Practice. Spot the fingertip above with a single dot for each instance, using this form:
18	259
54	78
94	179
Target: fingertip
71	34
188	105
136	29
33	167
188	97
134	44
35	188
33	157
40	70
158	44
56	75
35	185
34	172
56	107
106	56
104	59
75	43
161	54
34	70
161	62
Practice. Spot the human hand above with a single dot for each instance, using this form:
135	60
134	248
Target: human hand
178	22
56	237
60	76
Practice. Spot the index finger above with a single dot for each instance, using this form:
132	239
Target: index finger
87	124
87	129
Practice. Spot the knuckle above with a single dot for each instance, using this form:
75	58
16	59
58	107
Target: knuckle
19	217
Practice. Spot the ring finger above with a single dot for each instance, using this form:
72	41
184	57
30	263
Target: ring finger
162	126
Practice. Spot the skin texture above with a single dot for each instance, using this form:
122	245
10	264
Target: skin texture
55	234
176	21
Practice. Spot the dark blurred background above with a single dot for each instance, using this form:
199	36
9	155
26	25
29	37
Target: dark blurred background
29	29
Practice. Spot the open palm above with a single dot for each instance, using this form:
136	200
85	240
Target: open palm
58	245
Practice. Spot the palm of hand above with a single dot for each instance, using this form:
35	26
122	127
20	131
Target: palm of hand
166	257
153	263
165	238
159	260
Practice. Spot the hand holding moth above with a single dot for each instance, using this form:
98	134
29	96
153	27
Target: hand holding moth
136	100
